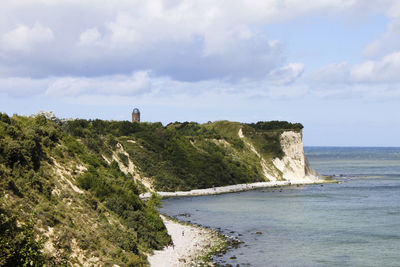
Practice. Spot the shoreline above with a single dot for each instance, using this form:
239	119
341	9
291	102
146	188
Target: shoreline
193	245
235	188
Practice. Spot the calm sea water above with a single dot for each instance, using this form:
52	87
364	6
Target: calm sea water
354	223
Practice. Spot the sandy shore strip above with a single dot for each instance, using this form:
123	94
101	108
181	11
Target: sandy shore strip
234	188
191	243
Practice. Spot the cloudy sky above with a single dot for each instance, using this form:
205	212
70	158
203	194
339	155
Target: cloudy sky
333	65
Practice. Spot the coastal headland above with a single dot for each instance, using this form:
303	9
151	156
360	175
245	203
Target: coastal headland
71	189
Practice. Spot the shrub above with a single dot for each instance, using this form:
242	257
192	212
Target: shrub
276	125
4	118
124	159
18	246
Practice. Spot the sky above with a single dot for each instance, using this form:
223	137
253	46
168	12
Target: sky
332	65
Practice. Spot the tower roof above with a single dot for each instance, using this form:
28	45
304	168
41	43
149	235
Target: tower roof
136	110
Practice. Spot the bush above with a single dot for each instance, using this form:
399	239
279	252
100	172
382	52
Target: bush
73	146
276	125
13	153
4	118
17	243
124	159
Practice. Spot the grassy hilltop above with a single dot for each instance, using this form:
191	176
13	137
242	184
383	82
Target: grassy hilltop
69	191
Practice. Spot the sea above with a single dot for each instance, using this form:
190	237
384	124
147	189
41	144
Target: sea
355	222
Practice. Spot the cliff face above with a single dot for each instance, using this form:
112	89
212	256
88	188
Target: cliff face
294	165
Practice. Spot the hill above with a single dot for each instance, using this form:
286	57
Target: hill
70	190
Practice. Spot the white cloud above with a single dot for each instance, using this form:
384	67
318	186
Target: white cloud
115	89
186	40
124	31
385	70
286	74
90	37
333	73
193	45
388	42
137	83
23	38
23	87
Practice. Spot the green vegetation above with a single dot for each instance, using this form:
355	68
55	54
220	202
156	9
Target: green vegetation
266	136
39	162
183	156
276	125
63	195
18	246
186	156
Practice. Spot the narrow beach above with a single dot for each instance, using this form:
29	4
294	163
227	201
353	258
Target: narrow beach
191	242
235	188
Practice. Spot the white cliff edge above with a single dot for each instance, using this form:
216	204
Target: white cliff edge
294	165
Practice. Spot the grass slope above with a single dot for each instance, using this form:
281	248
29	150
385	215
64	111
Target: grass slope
57	187
64	198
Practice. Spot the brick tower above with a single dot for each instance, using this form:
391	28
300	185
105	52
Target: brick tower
135	115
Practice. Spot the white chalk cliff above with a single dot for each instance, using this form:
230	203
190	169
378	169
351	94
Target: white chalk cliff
293	166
